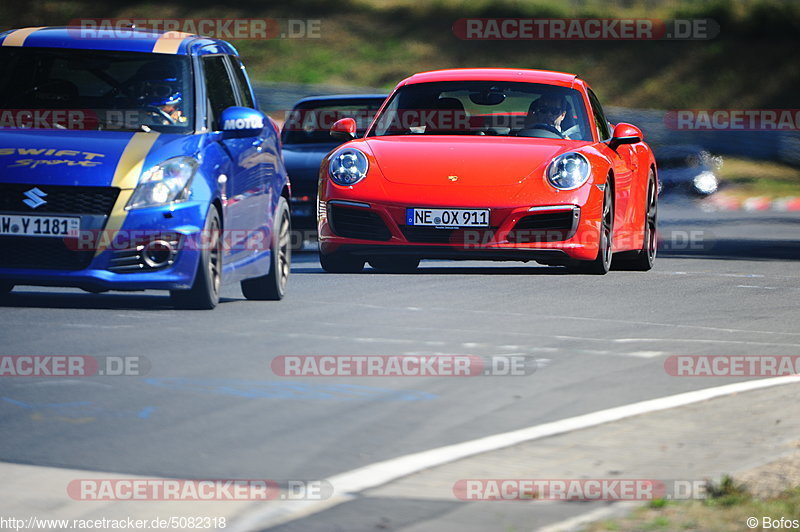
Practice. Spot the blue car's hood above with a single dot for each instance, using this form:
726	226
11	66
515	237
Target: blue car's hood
85	158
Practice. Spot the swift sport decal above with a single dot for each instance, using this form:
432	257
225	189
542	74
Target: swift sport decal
50	157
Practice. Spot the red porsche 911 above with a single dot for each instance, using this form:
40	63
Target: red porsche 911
495	164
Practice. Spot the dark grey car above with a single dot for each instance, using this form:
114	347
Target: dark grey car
687	169
306	140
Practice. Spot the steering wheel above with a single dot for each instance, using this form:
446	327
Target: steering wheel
161	114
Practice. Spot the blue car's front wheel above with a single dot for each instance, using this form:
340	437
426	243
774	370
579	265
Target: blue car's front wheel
204	293
272	287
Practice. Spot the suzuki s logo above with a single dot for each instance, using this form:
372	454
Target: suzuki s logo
452	178
34	196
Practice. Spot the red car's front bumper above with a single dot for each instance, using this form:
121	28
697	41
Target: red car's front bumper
547	233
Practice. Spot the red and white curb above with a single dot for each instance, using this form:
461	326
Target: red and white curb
721	202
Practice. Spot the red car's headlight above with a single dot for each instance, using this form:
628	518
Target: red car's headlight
568	171
348	166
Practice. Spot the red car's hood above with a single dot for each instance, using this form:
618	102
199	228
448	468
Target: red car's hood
475	160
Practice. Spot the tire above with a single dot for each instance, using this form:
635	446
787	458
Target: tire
395	264
339	262
204	293
602	263
93	290
272	287
642	260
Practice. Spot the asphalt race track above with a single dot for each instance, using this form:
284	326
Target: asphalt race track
210	405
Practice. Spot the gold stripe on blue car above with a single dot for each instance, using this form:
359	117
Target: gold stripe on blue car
170	42
17	38
126	177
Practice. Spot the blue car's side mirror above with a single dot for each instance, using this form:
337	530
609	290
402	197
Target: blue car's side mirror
242	122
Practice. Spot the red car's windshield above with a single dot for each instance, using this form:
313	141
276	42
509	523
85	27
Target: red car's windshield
485	108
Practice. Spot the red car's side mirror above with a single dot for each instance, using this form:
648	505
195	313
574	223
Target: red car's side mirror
624	134
344	129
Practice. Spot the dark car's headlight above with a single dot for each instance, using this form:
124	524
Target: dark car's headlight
705	183
165	183
568	171
348	166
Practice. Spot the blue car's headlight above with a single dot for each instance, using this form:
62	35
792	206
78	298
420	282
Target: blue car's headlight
348	166
568	171
164	183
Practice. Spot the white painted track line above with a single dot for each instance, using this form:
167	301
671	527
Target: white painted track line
589	517
346	485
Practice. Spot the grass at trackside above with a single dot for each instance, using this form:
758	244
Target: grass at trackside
375	43
747	178
725	510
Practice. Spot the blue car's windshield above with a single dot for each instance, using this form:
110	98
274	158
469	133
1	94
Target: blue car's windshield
485	108
92	89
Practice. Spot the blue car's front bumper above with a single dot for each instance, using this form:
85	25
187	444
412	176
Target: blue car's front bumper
184	220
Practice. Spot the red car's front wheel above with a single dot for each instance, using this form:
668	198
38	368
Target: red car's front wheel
602	263
643	259
339	262
394	264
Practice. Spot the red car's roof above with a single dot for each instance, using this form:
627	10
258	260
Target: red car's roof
495	74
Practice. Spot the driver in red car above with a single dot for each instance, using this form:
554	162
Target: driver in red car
548	110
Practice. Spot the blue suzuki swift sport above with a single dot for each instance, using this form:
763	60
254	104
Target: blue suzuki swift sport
137	160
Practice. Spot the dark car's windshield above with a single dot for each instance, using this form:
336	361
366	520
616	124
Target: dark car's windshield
680	157
310	122
92	89
485	108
